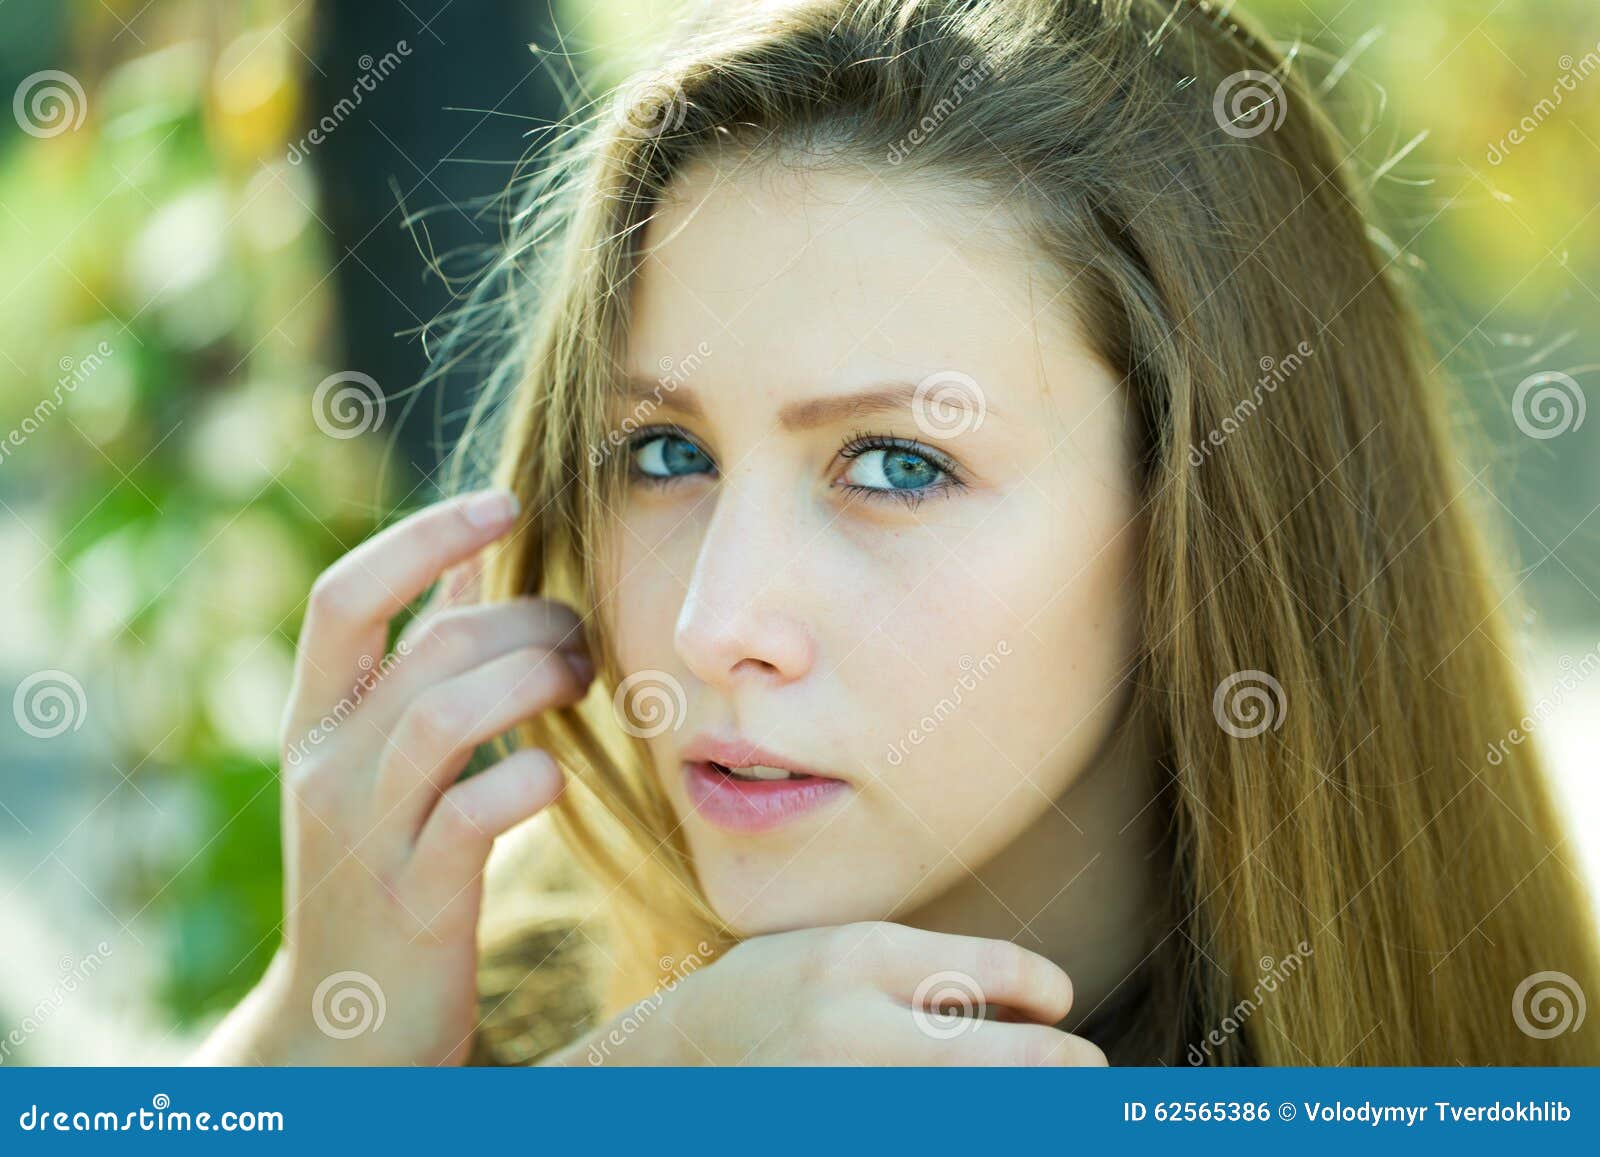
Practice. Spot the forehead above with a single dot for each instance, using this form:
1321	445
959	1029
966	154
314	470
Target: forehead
802	281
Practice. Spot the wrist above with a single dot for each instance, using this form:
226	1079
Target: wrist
640	1035
254	1031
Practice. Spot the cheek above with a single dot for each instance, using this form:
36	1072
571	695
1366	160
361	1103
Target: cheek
1006	670
642	591
1074	659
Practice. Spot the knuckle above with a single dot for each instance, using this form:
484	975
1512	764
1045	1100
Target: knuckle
461	825
313	786
827	951
816	1030
1003	967
334	596
446	636
434	721
847	941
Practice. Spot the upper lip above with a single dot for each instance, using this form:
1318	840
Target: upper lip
736	753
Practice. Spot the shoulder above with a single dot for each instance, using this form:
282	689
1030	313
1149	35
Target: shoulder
540	959
535	994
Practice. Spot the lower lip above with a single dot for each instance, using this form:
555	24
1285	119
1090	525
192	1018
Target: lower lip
755	805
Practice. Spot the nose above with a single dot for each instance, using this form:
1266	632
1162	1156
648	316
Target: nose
740	618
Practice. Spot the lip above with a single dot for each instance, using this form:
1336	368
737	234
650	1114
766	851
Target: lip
750	806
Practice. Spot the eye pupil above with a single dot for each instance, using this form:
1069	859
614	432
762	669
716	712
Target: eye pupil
666	455
681	456
907	471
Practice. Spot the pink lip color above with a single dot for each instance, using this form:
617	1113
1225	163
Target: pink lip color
739	805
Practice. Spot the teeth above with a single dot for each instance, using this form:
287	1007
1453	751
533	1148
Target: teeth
765	773
759	773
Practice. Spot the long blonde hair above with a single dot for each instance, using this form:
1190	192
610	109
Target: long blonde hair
1311	554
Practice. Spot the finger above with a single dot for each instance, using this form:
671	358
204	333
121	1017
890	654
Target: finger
463	581
462	637
458	586
446	592
937	968
436	735
455	843
351	603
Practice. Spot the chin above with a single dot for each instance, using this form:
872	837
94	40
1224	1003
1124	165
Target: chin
756	895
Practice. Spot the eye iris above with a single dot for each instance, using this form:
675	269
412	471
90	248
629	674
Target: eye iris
681	456
668	456
907	471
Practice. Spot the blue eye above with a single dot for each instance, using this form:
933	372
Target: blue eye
664	454
894	468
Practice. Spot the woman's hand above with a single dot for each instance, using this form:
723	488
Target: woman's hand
868	993
383	849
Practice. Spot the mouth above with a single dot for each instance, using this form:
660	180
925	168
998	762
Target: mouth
757	773
745	790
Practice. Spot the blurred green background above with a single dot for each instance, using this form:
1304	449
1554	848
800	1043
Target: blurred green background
181	269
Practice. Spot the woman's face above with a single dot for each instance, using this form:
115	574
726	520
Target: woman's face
881	527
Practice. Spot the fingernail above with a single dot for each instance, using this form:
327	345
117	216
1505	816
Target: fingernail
491	508
582	667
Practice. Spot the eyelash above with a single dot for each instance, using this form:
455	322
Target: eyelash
858	443
644	437
862	442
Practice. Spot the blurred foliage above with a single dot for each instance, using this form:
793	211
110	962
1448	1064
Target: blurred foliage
165	524
174	510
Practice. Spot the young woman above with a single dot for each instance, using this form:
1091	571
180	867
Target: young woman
1003	495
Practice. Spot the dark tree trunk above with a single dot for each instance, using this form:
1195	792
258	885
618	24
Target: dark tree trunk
407	141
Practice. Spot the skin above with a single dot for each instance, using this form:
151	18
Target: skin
778	598
1011	846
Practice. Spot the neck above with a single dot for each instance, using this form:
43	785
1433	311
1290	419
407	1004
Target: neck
1085	885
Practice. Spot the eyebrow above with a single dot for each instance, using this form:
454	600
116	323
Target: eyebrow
801	415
